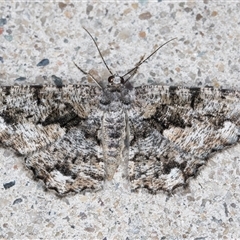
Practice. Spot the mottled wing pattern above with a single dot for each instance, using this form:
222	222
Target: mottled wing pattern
57	128
173	130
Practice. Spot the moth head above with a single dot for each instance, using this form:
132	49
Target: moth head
115	80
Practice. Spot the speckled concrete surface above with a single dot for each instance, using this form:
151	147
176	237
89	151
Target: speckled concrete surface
205	53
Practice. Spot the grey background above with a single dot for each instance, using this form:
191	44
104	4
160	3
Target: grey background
206	52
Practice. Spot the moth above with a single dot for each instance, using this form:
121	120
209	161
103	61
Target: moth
75	137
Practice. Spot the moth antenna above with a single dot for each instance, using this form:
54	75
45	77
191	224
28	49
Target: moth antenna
144	60
98	51
94	79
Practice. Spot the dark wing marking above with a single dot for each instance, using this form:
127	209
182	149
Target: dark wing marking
57	128
72	164
31	117
174	130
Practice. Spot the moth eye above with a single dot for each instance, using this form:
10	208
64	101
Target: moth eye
122	80
110	79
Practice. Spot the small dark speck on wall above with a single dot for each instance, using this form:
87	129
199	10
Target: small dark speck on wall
20	79
43	63
9	184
